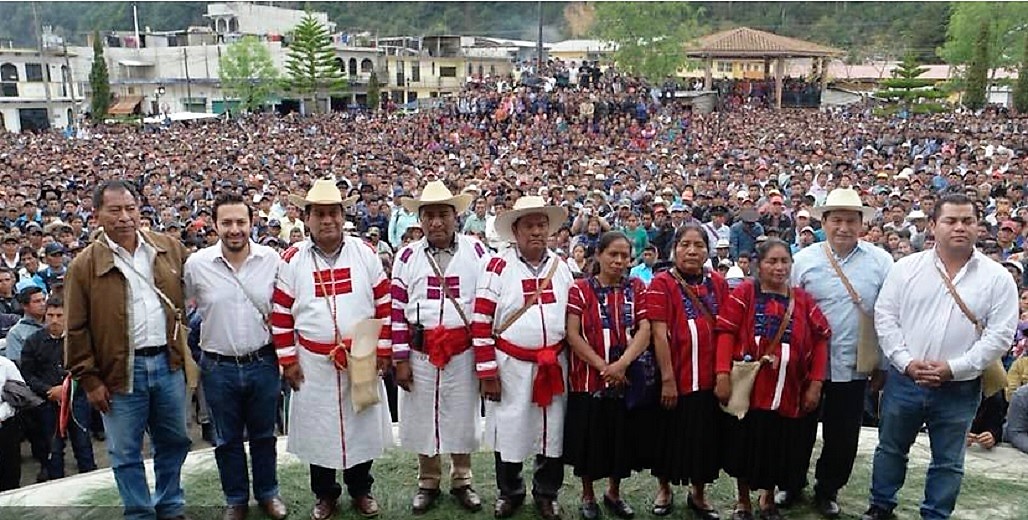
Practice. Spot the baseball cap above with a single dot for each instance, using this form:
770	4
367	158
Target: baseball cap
274	223
807	228
1009	224
374	231
53	248
802	214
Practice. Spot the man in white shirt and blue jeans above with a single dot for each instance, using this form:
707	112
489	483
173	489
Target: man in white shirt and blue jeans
232	283
937	356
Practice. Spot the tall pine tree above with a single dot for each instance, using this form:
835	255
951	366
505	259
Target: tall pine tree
978	71
1021	87
374	92
99	81
313	69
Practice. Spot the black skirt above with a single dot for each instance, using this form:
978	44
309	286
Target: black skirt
690	440
766	451
597	437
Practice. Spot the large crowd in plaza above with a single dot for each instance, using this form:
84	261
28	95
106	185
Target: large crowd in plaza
622	284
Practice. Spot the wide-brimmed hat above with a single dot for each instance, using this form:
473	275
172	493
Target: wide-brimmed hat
528	205
843	199
323	192
434	193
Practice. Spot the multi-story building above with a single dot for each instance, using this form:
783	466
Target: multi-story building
37	90
438	66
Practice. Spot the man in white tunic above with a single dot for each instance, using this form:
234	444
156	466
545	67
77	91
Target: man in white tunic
518	333
433	290
326	286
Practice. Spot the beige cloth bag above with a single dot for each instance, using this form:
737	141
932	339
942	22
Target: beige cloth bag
361	363
867	340
994	378
744	373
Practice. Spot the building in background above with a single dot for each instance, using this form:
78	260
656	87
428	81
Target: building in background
37	91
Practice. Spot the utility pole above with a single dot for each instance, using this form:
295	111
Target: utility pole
71	82
46	65
185	63
539	43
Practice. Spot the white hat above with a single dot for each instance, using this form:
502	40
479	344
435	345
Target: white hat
323	192
721	242
802	214
735	273
905	174
571	187
436	192
807	228
845	199
916	214
471	188
600	177
528	205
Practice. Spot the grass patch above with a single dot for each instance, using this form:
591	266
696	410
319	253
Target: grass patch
396	476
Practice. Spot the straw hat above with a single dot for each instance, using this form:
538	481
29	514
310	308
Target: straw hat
529	205
436	192
323	192
843	199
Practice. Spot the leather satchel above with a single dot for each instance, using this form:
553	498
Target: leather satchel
994	377
744	373
868	358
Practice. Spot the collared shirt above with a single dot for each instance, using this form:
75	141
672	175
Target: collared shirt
442	255
918	319
232	324
146	313
326	256
536	270
474	224
866	268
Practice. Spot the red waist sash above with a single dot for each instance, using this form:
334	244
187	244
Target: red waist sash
335	352
549	378
442	344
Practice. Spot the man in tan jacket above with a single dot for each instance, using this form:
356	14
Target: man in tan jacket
120	346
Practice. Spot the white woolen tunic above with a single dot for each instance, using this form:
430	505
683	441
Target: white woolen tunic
324	429
440	413
515	426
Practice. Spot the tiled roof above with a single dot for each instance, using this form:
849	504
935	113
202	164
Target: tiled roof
743	41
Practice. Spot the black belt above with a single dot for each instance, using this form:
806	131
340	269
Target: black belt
266	350
151	351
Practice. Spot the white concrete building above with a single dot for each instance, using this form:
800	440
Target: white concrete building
25	77
260	20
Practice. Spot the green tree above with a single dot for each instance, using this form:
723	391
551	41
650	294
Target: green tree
311	62
1021	87
1005	21
374	92
650	37
906	86
248	74
978	70
99	81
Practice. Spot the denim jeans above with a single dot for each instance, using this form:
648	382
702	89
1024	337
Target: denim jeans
947	411
157	404
243	398
78	433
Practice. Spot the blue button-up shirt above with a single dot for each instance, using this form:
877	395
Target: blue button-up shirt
866	268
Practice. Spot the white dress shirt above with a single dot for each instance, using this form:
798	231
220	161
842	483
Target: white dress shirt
232	326
918	319
146	313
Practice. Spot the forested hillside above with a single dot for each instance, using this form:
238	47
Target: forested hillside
865	28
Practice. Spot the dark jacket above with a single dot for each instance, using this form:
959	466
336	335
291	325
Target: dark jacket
42	362
98	350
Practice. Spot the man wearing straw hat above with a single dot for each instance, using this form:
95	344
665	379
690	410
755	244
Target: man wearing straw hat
518	331
326	291
433	290
829	272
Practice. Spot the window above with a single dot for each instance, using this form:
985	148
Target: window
353	66
415	71
447	72
492	70
367	67
8	72
399	74
33	72
9	89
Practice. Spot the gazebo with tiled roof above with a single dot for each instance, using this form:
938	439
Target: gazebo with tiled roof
746	43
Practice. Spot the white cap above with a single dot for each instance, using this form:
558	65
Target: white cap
802	214
807	228
916	214
721	242
734	273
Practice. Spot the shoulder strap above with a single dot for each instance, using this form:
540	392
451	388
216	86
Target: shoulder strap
842	276
153	286
530	301
978	326
446	289
696	302
249	297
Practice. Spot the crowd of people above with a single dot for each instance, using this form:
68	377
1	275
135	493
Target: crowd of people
593	260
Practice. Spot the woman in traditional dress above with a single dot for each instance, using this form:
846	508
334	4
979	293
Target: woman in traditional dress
607	329
682	304
787	387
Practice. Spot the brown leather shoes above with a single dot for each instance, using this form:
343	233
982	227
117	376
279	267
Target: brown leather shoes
507	506
424	499
366	506
467	498
324	508
547	508
236	512
275	508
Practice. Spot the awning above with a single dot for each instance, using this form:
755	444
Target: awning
125	105
135	63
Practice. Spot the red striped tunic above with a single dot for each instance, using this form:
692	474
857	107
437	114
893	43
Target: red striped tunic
584	303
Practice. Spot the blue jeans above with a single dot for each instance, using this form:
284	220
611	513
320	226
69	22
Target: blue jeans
78	433
948	412
243	398
157	404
